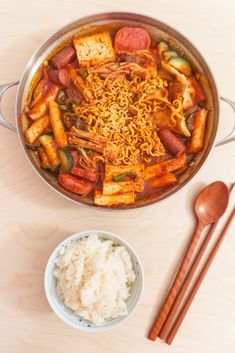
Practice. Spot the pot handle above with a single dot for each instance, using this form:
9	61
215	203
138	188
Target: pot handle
231	136
3	121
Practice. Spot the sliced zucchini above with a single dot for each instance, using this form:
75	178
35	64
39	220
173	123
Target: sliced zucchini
182	65
172	71
50	147
66	159
161	47
168	54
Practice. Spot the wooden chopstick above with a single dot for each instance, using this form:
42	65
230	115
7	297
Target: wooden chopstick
188	279
170	318
199	280
159	322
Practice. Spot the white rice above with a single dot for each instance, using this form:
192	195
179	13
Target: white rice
94	278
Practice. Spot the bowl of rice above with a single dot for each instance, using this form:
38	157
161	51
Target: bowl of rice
93	280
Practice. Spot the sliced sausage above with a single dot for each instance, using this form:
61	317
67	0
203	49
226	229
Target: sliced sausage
59	77
64	57
73	184
74	94
86	174
131	39
75	157
172	143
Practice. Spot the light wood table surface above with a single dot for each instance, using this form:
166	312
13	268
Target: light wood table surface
34	219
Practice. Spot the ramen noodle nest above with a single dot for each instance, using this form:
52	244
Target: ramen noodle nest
108	114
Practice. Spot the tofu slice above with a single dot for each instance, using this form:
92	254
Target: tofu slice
114	200
112	188
113	170
94	50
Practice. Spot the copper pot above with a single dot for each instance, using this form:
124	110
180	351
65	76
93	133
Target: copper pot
157	29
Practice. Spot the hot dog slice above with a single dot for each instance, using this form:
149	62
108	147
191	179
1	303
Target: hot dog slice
75	158
86	174
64	57
131	39
171	142
71	183
59	77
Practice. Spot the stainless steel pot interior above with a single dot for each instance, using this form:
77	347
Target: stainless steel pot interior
157	30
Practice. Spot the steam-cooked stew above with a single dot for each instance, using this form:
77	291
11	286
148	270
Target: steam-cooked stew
116	117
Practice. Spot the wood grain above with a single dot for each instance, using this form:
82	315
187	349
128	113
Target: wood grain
33	219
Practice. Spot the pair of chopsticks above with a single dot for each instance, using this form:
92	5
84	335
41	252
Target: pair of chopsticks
163	328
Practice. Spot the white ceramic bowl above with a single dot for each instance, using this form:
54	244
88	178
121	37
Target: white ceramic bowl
65	313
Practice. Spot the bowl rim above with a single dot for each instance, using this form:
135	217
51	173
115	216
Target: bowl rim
120	241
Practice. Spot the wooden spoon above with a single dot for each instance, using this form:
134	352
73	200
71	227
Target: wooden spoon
210	205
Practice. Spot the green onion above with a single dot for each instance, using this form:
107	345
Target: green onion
78	122
73	115
117	178
63	107
88	152
122	177
69	101
61	96
82	72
